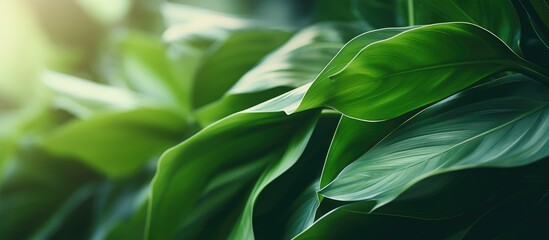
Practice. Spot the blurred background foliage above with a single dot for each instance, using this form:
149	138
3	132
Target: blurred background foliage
72	68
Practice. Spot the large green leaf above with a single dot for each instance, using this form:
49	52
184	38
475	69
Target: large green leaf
291	100
500	124
472	204
297	62
497	16
119	143
394	76
234	141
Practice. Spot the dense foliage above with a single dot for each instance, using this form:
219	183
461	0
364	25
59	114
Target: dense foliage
377	119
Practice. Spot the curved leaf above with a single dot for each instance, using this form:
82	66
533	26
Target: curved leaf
120	143
352	139
500	124
297	62
296	146
238	139
231	58
270	207
491	202
86	99
391	77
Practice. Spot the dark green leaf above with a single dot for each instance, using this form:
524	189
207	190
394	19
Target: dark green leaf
233	141
500	124
497	16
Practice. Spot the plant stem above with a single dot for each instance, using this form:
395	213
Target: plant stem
411	17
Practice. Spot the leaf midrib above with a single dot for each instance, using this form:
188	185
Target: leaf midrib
439	66
477	136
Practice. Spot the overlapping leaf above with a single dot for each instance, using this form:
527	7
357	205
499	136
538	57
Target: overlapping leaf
233	141
297	62
501	124
394	76
489	204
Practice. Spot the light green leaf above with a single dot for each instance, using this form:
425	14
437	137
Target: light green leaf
120	143
412	69
85	98
500	124
146	67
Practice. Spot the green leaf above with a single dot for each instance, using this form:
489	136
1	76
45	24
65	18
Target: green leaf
294	99
352	139
500	124
146	67
230	59
497	16
39	192
296	146
85	98
304	210
266	212
297	62
118	144
121	207
503	202
391	77
233	141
